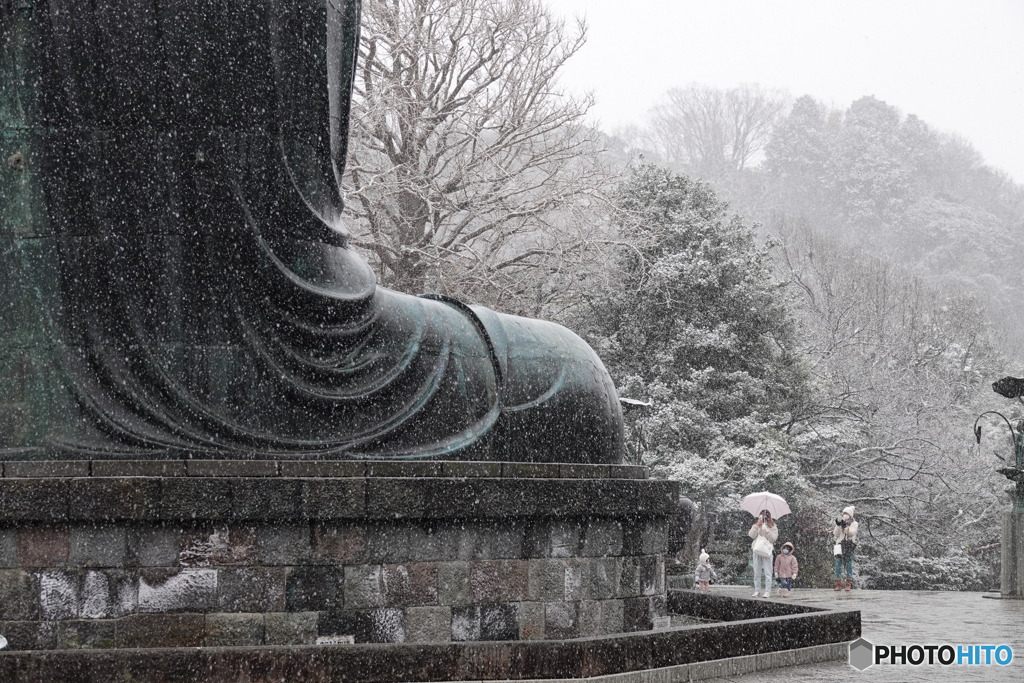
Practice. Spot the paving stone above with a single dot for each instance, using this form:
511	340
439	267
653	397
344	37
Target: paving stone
923	617
397	468
407	585
499	621
589	618
251	589
530	470
226	630
388	498
499	541
515	582
645	537
577	579
316	588
605	575
561	620
470	469
79	634
97	546
177	590
546	580
34	500
647	568
108	594
602	538
386	625
582	471
221	546
181	498
442	541
59	594
22	635
138	468
98	499
611	616
453	583
565	539
537	539
630	579
161	630
290	628
47	468
322	468
636	615
339	544
43	546
659	605
8	548
485	581
363	587
428	624
285	545
629	472
18	596
466	622
231	468
390	543
447	541
531	620
153	546
499	580
266	499
326	499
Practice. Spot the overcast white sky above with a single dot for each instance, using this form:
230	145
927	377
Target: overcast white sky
957	64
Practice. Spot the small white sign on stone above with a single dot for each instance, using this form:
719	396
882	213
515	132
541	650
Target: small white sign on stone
662	623
336	640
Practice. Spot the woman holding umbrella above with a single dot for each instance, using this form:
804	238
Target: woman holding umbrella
764	532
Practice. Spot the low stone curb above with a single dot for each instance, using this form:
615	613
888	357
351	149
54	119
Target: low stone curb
257	467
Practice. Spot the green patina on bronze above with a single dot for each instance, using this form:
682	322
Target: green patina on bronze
29	388
177	279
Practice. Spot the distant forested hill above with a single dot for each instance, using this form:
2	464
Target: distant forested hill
870	177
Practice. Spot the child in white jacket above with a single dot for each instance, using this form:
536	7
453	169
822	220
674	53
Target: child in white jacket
705	573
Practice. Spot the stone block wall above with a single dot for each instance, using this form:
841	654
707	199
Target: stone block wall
550	569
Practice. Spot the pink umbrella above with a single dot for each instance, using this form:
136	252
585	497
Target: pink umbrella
765	500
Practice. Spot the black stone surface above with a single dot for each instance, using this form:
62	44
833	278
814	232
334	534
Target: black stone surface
574	658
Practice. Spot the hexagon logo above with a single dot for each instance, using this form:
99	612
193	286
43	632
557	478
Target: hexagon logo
861	654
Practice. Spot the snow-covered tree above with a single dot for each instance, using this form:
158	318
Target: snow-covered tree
692	321
470	171
899	370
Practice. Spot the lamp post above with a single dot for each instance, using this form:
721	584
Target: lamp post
1016	472
1011	577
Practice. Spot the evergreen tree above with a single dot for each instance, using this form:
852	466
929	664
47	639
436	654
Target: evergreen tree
693	321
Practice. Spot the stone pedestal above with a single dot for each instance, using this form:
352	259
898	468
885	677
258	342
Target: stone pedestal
1012	573
130	554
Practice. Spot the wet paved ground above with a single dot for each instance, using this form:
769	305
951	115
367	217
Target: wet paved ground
912	617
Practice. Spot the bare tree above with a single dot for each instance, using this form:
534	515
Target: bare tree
714	132
900	371
470	171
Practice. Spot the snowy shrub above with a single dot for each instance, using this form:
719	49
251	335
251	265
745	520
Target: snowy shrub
955	572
